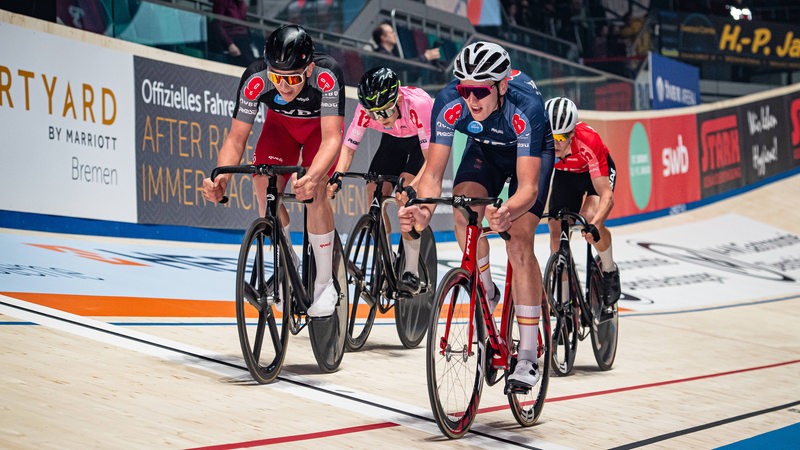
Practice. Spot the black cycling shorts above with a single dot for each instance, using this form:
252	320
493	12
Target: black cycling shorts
492	166
569	188
396	155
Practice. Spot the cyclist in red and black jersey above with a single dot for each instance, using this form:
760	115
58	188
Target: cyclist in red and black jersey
304	95
583	181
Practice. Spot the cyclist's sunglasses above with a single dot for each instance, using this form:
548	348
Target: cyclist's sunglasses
292	79
561	137
480	92
383	112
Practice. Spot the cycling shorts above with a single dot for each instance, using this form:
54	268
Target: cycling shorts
492	166
570	187
285	139
396	155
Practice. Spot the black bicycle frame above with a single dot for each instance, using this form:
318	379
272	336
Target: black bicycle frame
566	260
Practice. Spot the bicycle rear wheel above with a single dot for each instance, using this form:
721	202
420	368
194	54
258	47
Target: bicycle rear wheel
264	341
362	261
327	334
412	315
605	333
562	315
527	408
455	378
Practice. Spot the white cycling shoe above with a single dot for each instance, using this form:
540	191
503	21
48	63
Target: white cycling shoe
325	304
525	375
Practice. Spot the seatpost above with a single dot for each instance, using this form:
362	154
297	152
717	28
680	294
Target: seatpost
272	197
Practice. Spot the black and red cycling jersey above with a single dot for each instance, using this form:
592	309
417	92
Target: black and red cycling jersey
322	94
290	127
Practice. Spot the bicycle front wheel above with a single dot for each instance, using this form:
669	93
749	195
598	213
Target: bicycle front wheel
527	407
261	313
454	356
361	257
562	316
412	315
605	332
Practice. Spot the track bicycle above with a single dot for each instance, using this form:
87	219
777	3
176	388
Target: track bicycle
578	313
279	301
465	346
374	268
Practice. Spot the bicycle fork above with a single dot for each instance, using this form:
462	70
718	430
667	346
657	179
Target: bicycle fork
496	341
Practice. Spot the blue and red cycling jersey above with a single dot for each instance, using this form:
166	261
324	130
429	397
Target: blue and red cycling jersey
520	125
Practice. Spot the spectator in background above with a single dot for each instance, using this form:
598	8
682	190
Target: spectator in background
386	42
637	39
230	38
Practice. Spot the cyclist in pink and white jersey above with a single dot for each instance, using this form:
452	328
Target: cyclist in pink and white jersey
403	115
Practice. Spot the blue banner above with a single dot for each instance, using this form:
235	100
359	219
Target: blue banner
673	84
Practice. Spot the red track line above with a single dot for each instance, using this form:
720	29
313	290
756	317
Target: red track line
299	437
648	385
376	426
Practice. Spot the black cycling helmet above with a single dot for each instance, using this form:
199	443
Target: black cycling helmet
289	48
378	88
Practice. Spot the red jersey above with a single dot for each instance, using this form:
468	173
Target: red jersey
588	153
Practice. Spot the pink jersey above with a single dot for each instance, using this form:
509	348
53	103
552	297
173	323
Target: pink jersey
415	119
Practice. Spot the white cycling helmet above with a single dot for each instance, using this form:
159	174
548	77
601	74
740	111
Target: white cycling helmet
482	61
563	114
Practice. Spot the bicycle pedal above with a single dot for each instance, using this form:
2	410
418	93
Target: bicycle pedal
606	315
513	388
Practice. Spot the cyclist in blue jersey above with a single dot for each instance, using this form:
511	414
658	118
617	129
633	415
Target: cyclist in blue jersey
502	113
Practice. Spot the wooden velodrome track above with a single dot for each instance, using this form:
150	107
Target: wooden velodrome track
125	370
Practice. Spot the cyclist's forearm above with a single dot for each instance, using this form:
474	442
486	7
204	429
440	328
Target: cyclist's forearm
233	147
521	201
603	208
345	159
326	155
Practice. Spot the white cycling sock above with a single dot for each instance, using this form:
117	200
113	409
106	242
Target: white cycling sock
322	246
486	276
607	259
528	322
411	247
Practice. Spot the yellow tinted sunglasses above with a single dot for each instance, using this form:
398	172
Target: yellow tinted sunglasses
384	111
561	137
291	79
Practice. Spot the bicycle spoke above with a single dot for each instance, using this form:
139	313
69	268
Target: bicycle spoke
360	260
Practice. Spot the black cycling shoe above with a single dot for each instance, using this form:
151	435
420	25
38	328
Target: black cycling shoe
408	284
611	288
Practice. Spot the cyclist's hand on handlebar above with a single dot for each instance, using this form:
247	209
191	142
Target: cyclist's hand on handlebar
403	193
215	190
413	217
304	187
591	234
499	218
334	186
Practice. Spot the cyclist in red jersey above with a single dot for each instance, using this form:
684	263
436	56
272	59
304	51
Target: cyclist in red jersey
583	181
304	95
403	115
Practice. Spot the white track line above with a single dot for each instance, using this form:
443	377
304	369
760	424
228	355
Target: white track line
176	352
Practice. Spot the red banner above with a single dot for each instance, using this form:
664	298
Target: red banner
655	169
